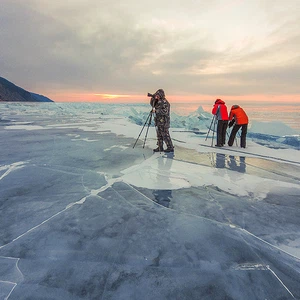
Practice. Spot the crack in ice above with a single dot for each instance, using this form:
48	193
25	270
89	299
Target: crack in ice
12	167
248	232
93	192
268	267
33	228
261	267
14	285
12	282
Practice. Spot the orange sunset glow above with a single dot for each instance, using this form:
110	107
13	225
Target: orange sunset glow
122	98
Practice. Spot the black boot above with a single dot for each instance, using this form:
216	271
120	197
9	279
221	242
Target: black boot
158	150
170	147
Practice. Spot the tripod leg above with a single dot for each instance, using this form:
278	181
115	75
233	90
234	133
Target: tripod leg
147	129
142	128
238	133
212	140
210	126
236	142
227	134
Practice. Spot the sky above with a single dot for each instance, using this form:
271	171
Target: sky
118	51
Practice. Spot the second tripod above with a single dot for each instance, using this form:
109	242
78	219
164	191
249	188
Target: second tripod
214	127
213	123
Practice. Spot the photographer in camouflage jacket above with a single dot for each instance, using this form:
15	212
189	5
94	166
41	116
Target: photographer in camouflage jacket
161	108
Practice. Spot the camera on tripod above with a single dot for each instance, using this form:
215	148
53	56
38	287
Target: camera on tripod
153	100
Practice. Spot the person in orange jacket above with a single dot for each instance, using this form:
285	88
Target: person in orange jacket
239	118
221	113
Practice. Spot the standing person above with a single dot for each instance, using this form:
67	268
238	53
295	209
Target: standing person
239	118
161	108
221	113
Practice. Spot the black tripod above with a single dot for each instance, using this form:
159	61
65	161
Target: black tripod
149	119
213	122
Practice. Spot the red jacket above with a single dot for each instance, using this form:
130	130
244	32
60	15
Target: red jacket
220	110
239	115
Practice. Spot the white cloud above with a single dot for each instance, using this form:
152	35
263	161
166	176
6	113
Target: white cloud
129	45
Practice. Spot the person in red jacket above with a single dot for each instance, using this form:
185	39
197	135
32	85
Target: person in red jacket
239	118
221	113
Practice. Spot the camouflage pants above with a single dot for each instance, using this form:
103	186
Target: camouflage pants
163	135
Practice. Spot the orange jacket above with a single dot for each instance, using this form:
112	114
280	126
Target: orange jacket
239	115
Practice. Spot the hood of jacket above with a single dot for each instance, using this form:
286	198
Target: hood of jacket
160	93
219	101
234	106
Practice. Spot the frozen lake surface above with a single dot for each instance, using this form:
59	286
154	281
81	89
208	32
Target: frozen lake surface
84	215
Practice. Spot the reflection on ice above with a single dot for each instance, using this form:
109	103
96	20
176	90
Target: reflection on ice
238	165
234	163
161	172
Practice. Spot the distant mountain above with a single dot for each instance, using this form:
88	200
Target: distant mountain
12	93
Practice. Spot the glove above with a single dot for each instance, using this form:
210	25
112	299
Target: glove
231	123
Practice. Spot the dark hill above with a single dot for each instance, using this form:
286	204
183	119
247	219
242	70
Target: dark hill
12	93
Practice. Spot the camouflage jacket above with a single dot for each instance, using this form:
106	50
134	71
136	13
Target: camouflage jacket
162	112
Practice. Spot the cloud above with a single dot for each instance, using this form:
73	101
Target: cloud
42	48
135	46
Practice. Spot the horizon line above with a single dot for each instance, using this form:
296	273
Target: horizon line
174	98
